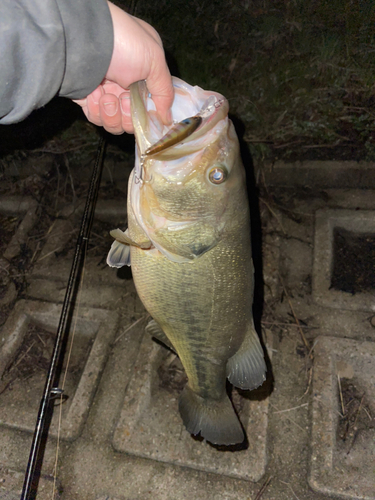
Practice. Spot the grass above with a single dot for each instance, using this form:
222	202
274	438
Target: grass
300	75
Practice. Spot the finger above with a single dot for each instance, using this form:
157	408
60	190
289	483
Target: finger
159	81
127	123
159	84
92	106
110	114
112	88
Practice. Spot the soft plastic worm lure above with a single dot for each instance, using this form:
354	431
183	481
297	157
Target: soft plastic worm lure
176	134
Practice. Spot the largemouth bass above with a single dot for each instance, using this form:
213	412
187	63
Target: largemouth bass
188	242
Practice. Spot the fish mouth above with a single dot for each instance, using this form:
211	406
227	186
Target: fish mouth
204	109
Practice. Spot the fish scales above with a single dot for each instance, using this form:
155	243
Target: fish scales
194	306
188	241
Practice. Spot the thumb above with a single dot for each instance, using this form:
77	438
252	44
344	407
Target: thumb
161	89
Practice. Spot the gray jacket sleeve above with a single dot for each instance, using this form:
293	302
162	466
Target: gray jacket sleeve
49	48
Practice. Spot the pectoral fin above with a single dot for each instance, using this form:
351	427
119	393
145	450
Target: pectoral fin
124	238
119	254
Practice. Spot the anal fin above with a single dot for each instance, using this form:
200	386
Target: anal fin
246	369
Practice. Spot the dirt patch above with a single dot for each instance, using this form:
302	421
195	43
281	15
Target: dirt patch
99	242
8	226
172	374
357	416
33	356
353	261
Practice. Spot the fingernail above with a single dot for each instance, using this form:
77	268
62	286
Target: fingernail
124	110
169	116
110	108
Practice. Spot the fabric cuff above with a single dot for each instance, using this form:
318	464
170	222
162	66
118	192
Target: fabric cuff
89	43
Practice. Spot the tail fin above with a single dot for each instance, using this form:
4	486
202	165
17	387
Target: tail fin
215	420
246	369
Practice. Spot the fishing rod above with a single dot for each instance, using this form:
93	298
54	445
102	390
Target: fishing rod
50	391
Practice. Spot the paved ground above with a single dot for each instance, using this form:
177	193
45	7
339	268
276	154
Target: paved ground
310	429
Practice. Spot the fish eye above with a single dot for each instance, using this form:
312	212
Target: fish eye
218	175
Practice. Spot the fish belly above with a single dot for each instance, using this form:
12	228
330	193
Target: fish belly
203	307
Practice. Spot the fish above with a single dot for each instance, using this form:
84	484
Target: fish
189	246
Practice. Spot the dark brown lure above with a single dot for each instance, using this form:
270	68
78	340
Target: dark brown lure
176	134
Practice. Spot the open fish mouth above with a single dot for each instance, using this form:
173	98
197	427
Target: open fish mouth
171	158
196	114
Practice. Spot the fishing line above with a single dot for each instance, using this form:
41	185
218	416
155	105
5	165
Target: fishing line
50	389
54	489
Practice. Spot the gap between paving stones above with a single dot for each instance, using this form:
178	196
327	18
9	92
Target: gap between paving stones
94	328
356	221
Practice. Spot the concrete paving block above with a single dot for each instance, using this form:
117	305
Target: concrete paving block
150	424
96	271
105	297
322	174
271	257
350	324
351	198
108	498
11	483
343	450
356	221
58	235
10	293
11	205
296	263
93	330
111	211
53	263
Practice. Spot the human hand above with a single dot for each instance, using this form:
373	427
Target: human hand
137	55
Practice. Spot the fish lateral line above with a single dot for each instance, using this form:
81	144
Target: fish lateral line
176	134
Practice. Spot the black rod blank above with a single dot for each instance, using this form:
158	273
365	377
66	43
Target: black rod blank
75	272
